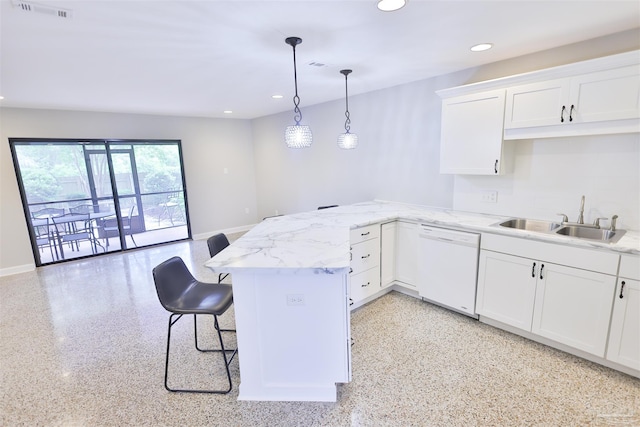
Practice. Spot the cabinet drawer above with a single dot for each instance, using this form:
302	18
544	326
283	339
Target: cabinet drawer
365	284
365	255
364	233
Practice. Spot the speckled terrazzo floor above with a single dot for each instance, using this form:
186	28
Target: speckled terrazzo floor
83	344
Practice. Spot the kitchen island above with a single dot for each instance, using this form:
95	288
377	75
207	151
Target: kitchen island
291	292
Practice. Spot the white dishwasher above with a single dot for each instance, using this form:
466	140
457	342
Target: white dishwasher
448	267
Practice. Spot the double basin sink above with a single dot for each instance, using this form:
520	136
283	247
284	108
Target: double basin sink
550	227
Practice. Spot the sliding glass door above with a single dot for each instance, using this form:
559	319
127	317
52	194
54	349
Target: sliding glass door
86	198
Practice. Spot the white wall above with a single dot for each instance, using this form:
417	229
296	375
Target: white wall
397	156
549	176
216	200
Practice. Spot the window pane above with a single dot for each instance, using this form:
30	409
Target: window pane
52	172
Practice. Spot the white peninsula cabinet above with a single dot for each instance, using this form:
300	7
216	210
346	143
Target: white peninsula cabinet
624	336
471	133
561	293
365	263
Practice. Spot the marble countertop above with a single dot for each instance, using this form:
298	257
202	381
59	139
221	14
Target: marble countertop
317	242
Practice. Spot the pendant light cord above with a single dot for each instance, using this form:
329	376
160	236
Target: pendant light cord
296	99
347	122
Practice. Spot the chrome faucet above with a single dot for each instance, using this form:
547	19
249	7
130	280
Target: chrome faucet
613	223
596	222
581	214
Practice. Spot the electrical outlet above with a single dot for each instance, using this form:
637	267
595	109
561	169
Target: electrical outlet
295	299
489	197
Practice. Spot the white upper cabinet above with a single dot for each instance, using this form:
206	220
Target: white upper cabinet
603	96
607	95
537	104
471	138
595	97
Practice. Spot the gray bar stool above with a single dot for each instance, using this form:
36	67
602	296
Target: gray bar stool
180	293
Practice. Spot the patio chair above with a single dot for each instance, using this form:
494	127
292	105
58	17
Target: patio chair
72	229
47	213
180	293
126	227
82	209
41	229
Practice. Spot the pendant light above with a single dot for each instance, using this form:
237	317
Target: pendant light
297	136
347	140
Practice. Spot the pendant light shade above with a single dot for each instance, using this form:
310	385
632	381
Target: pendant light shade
297	136
347	140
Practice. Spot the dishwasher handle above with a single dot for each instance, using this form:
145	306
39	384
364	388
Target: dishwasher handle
449	236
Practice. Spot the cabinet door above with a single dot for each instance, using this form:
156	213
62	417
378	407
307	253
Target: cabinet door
407	253
573	307
624	336
506	288
537	104
471	139
606	95
388	253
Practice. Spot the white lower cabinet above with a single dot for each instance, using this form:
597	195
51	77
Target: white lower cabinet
406	261
573	307
388	253
506	289
624	334
365	264
565	302
365	284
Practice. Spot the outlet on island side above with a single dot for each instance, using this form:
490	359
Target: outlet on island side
295	299
489	197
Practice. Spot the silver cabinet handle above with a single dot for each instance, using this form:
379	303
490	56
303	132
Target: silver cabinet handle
365	234
365	256
541	268
571	113
495	167
622	289
562	114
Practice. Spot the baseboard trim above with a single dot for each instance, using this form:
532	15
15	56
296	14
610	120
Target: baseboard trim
25	268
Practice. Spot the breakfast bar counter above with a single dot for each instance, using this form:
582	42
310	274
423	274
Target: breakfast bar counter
291	292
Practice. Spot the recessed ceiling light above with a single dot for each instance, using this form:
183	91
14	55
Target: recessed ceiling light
482	46
391	5
276	96
227	111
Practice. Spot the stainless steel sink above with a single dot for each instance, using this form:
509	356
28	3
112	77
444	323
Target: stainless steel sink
530	224
607	236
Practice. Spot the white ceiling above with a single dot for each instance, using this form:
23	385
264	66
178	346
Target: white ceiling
199	58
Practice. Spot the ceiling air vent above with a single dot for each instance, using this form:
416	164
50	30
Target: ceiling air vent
43	9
